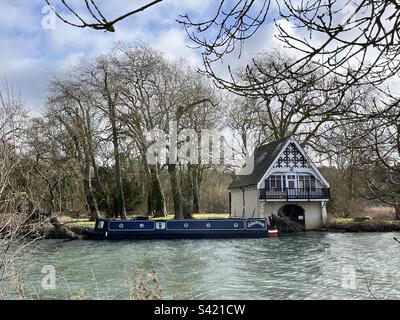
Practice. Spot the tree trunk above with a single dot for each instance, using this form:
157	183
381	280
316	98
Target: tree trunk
176	192
119	201
100	185
187	211
147	187
195	189
90	197
157	194
149	203
397	211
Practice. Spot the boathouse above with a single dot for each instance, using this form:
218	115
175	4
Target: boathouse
284	182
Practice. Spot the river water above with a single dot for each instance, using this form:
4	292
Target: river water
313	265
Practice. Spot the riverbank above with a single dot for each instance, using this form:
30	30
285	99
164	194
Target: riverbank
78	226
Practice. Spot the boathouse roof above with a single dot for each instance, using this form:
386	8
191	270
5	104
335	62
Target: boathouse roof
264	157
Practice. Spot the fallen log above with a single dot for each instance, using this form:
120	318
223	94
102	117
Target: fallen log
62	231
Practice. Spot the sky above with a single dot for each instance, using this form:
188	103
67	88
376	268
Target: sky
31	54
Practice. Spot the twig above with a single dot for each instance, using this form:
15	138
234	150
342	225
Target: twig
368	283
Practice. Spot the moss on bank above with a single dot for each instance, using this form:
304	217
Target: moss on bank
367	225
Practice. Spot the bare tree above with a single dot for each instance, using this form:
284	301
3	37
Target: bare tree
154	92
141	72
18	210
355	41
191	94
206	115
383	180
363	146
305	108
104	89
70	105
92	16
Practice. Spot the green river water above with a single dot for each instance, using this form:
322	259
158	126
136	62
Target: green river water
313	265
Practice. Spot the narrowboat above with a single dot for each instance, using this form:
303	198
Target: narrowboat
142	228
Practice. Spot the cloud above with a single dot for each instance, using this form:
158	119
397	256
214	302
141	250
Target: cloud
173	43
30	54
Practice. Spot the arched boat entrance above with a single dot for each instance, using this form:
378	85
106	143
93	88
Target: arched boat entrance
294	213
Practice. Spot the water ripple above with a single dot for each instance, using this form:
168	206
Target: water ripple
306	266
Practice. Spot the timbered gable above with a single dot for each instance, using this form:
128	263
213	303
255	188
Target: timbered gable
287	162
292	158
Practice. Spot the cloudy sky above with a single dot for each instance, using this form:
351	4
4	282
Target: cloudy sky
30	54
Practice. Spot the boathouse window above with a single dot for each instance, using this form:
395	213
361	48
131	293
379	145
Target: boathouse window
307	182
281	182
274	182
291	181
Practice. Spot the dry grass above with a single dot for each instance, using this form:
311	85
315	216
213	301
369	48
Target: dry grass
146	287
142	287
79	296
18	224
375	212
79	222
379	212
14	287
19	286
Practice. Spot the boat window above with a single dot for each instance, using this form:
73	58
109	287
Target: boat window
160	225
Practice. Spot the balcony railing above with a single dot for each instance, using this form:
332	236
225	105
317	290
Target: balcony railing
298	193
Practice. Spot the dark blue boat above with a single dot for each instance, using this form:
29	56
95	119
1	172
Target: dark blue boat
143	228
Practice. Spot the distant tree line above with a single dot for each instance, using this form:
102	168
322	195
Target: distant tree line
87	152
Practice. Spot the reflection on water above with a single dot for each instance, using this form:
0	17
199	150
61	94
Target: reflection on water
306	266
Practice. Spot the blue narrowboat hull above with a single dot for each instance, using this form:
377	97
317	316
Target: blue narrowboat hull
107	229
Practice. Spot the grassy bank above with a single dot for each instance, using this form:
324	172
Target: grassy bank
367	225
